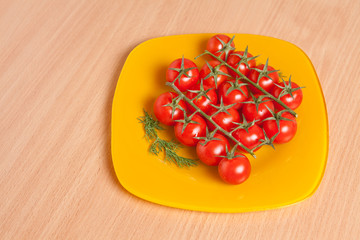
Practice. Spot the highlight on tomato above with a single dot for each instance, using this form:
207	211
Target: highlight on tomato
234	170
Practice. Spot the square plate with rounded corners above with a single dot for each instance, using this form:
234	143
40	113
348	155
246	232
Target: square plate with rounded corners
280	177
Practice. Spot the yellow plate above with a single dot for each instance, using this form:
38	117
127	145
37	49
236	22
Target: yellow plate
280	177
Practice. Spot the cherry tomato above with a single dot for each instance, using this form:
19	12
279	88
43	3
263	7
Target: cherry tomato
184	72
166	110
202	99
213	74
230	92
224	120
249	109
220	45
293	101
192	130
266	83
250	138
235	170
287	128
213	151
238	61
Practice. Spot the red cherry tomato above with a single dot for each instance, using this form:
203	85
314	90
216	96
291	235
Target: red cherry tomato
213	74
224	120
237	61
294	101
234	95
266	83
287	128
213	151
249	109
202	99
191	131
220	45
250	138
168	114
184	72
235	170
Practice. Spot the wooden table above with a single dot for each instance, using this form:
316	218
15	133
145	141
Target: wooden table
59	65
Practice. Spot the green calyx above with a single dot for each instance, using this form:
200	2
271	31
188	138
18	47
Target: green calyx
267	140
227	48
244	125
287	88
257	100
209	137
201	92
215	72
182	70
264	72
174	105
222	107
187	120
236	85
244	58
276	117
232	154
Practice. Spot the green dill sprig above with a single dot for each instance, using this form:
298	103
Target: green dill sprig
150	126
159	145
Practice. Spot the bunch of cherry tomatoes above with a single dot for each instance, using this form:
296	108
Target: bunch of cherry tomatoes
217	94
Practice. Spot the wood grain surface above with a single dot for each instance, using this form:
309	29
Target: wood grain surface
59	65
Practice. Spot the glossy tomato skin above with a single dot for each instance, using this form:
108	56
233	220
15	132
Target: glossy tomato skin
213	151
191	131
236	170
250	113
266	83
234	60
235	96
202	102
224	120
214	45
184	82
250	138
287	128
292	102
210	81
164	113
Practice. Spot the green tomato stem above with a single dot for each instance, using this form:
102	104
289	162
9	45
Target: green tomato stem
252	83
226	133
